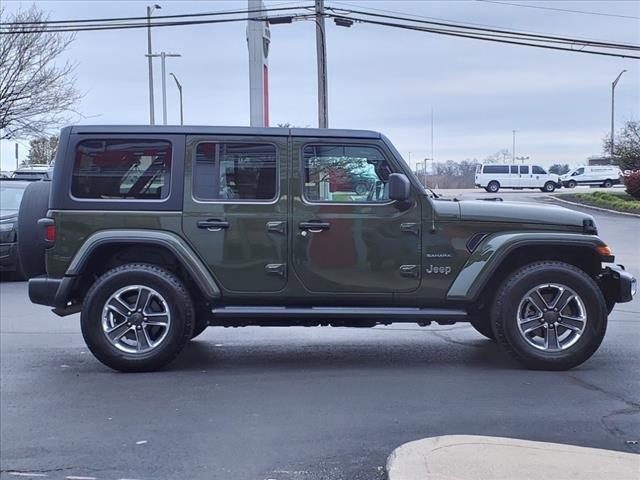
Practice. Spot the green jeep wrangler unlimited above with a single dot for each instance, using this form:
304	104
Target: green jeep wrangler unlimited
154	233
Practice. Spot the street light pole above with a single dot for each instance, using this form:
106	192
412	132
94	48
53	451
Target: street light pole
513	153
152	119
321	53
180	93
613	91
163	56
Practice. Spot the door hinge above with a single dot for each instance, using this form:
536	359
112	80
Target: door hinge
409	270
276	226
410	227
276	269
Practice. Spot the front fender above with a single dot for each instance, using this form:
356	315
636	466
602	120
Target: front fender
492	251
176	245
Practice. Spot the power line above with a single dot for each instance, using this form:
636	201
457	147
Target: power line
565	10
531	36
156	17
473	24
479	37
442	28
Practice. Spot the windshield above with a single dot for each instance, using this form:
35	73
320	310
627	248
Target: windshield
10	196
410	173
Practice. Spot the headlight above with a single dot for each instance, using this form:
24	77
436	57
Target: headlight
7	227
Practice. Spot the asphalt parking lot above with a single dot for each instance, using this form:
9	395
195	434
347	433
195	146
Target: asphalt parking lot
296	403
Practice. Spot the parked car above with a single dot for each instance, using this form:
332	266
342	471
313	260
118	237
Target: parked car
32	172
155	233
598	175
11	192
493	177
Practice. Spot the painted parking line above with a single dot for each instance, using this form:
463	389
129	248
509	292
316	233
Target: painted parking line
27	474
73	477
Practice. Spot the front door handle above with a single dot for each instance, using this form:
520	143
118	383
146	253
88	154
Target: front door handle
315	227
213	225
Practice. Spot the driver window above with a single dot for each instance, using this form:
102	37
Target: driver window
345	174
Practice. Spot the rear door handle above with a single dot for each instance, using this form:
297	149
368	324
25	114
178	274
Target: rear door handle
213	225
314	227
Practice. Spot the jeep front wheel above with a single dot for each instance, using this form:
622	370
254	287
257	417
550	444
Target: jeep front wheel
137	317
549	316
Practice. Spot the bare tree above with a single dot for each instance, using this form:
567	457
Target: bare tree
36	94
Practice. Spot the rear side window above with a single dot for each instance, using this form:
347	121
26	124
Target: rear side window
122	170
235	171
536	170
524	169
514	169
496	169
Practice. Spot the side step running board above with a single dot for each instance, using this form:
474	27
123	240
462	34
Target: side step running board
378	314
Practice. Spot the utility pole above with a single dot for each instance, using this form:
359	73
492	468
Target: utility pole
321	52
152	117
163	56
16	156
513	153
180	93
613	91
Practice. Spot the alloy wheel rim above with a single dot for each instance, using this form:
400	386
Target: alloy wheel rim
136	319
551	317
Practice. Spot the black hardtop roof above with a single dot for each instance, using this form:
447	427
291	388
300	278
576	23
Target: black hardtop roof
221	130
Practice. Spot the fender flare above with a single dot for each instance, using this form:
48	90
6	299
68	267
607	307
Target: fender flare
176	245
494	249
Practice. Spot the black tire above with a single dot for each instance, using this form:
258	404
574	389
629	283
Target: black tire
31	247
607	184
513	290
179	305
549	187
483	327
493	186
571	184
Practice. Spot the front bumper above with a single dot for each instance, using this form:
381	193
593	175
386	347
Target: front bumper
618	285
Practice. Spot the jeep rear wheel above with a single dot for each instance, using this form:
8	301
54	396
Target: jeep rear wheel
549	316
137	317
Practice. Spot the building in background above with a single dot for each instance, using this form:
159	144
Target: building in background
258	40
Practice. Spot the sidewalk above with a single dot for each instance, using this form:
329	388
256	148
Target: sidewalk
469	457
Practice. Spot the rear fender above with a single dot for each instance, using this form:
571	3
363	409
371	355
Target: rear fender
176	245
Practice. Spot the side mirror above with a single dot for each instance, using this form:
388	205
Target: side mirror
399	187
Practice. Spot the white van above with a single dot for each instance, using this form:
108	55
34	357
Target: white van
493	177
602	175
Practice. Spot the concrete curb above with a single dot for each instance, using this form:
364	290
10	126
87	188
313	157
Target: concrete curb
628	214
471	457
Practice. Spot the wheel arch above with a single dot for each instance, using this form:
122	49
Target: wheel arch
110	248
498	255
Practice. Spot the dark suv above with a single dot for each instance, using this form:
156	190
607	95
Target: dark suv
154	233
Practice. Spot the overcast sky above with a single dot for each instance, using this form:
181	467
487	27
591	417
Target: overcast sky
379	78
